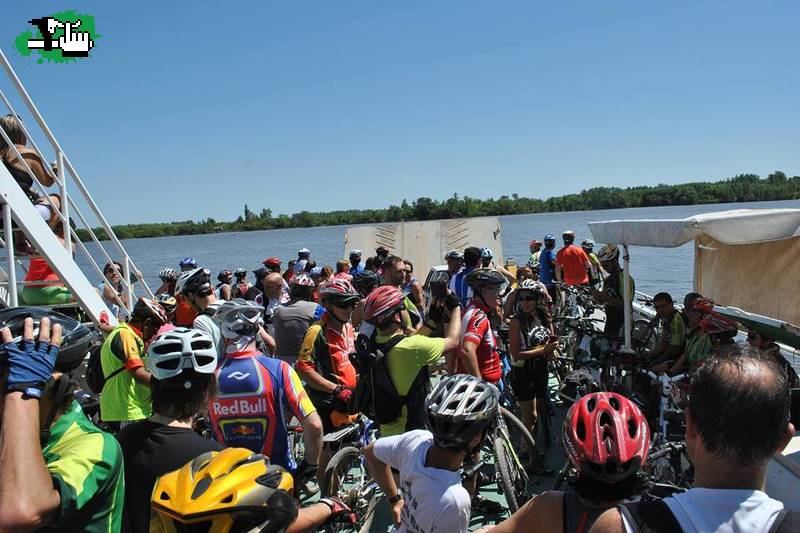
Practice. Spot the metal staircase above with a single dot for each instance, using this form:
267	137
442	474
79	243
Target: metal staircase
76	204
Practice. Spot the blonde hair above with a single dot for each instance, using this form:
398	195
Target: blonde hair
13	129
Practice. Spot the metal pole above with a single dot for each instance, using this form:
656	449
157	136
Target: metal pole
126	268
12	271
626	292
62	185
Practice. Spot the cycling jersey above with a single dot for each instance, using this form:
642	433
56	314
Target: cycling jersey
572	261
698	348
123	398
459	287
358	269
673	330
86	466
250	408
477	330
547	259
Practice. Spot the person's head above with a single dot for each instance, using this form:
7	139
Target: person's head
383	307
231	490
316	276
168	302
225	276
273	285
530	294
187	263
13	128
240	274
394	270
310	265
486	284
472	257
327	273
303	253
339	298
355	257
759	340
587	245
301	288
290	265
372	263
365	282
239	322
549	241
342	266
738	411
454	260
113	272
273	264
459	410
608	256
486	257
568	237
536	269
381	252
534	246
663	304
182	364
689	299
168	275
409	271
261	275
606	440
148	316
195	286
524	273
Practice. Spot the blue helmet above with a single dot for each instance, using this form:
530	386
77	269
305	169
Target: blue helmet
188	263
549	238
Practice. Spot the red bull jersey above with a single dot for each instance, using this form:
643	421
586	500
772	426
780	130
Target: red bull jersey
255	395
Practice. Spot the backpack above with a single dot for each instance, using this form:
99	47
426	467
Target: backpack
376	394
95	379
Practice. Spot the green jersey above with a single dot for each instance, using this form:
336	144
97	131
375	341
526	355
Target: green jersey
123	398
86	466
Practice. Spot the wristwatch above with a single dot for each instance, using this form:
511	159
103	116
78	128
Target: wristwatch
394	499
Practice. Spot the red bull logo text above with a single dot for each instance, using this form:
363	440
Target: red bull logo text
240	407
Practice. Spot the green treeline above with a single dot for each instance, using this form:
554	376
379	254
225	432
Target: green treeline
742	188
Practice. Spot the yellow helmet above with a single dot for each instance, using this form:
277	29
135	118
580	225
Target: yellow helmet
217	492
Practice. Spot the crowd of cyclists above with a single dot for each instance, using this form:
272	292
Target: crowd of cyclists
204	389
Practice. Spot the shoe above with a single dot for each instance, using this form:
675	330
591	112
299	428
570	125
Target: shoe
481	479
481	505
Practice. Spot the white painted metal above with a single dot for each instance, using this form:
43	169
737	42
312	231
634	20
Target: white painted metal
626	294
11	275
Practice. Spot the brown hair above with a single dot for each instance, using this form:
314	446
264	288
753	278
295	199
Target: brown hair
13	129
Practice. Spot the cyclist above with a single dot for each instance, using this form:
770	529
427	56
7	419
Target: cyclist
606	439
478	355
223	288
240	285
547	265
572	263
168	277
394	274
273	264
613	293
532	343
355	262
673	333
195	288
182	364
595	272
234	491
59	471
292	319
430	497
324	361
112	291
273	297
255	392
257	289
454	260
709	334
412	288
364	282
303	255
534	246
408	357
187	263
458	283
343	270
486	262
736	421
126	393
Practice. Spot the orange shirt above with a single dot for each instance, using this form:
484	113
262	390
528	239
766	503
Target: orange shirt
572	261
40	271
185	312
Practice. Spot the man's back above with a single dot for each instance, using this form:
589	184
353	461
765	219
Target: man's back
435	501
291	321
86	466
123	398
573	262
546	259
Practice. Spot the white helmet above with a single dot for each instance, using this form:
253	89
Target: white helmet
171	352
486	253
609	252
239	318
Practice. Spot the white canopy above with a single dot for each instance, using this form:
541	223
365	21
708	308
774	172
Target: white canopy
739	226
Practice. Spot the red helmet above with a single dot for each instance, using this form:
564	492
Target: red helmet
382	302
703	305
272	262
606	436
338	290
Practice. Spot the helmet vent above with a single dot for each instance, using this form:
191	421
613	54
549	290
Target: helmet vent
164	496
632	428
591	404
614	403
580	430
227	499
201	487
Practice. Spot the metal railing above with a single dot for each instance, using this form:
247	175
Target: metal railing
69	211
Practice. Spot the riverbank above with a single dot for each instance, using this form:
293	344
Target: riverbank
741	188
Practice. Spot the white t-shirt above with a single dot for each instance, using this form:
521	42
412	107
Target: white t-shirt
724	510
435	501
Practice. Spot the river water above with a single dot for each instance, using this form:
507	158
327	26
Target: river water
654	269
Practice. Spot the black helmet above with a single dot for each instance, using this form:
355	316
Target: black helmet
365	281
193	281
78	340
223	275
459	408
240	272
483	277
261	273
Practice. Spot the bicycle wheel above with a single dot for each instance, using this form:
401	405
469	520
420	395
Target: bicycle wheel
347	477
643	336
512	480
520	437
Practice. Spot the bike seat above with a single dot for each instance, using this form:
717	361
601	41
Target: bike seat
349	433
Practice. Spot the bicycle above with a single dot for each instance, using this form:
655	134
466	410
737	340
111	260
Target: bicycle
347	475
668	405
645	333
512	476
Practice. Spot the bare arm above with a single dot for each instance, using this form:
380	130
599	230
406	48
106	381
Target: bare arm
541	513
383	476
517	353
225	292
609	522
141	375
506	274
268	340
312	437
469	355
508	306
419	295
310	518
315	380
453	337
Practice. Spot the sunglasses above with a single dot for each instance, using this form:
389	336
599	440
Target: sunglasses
350	304
528	297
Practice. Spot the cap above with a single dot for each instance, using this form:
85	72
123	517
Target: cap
534	242
272	261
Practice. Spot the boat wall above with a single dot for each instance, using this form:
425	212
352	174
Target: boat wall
426	243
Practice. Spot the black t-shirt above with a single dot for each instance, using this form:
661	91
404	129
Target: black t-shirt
151	450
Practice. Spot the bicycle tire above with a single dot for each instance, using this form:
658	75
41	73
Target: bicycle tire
643	336
519	435
507	474
341	463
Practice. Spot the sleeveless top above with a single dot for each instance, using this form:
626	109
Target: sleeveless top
577	517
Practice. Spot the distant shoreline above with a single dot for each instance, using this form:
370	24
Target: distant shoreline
741	188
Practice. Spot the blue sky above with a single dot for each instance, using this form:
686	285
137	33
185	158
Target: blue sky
189	109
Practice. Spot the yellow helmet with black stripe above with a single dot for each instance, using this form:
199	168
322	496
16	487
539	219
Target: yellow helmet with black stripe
218	492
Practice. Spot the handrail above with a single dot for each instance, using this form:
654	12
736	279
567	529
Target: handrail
68	205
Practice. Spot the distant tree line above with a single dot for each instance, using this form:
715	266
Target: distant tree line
741	188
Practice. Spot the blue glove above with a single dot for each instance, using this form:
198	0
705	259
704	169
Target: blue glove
32	364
